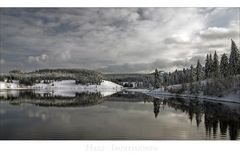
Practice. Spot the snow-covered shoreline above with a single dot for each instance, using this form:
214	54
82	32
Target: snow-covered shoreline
157	93
64	85
61	88
12	86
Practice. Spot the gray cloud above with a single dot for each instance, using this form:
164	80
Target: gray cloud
161	64
219	33
113	39
2	61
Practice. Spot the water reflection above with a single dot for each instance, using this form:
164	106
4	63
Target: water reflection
52	100
125	115
156	105
215	115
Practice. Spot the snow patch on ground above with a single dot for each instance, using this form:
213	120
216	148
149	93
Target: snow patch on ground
65	87
71	85
14	85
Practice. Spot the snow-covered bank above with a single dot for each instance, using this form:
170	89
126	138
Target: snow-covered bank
71	85
233	98
66	85
12	86
69	88
63	88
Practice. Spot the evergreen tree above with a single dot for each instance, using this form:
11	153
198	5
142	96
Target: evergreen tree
215	66
165	79
199	73
181	77
184	75
156	79
188	75
170	79
210	66
224	66
191	89
191	74
233	59
207	67
238	65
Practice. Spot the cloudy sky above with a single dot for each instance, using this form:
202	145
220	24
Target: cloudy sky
114	40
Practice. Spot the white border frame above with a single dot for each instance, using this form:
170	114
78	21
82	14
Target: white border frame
119	3
106	147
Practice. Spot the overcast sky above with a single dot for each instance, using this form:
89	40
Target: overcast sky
114	40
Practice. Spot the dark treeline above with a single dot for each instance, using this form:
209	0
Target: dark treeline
145	79
216	73
82	76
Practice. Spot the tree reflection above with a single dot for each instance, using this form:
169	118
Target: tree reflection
216	117
156	104
49	100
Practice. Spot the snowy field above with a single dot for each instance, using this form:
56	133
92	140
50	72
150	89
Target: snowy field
12	86
65	87
71	85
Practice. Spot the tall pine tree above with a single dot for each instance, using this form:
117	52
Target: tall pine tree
192	74
238	65
210	66
184	75
199	73
224	66
233	59
191	89
156	79
207	67
215	66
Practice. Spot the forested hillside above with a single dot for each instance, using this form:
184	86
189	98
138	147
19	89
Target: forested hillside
217	77
82	76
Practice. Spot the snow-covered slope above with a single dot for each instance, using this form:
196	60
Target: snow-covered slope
69	88
71	85
14	85
65	84
66	87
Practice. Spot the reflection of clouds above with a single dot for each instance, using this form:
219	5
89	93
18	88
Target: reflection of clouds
128	106
39	115
66	118
44	117
176	115
2	111
184	135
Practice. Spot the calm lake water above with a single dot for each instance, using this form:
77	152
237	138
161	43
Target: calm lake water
120	116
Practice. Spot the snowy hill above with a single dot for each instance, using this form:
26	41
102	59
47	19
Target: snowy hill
64	86
14	85
71	85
